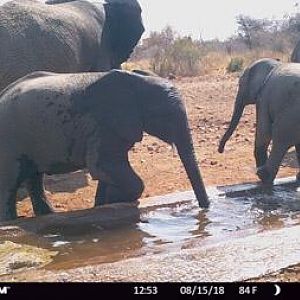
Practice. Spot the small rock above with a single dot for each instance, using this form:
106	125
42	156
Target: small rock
150	148
213	163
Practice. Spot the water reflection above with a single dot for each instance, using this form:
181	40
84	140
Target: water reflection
273	207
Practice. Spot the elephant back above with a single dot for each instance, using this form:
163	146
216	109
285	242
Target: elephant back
35	36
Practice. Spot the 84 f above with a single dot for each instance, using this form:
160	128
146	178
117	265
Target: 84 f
247	290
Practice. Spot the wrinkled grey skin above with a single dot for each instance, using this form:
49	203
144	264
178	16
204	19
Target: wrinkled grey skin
57	123
275	89
74	36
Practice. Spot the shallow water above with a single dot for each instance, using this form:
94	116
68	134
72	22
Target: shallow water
174	222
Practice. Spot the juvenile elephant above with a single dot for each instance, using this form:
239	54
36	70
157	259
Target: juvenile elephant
56	123
68	36
275	89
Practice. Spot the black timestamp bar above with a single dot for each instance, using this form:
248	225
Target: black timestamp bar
153	290
237	290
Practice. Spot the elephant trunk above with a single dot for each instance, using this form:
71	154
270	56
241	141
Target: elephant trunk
236	116
184	145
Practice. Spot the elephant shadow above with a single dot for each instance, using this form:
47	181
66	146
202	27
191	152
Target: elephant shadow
60	183
70	182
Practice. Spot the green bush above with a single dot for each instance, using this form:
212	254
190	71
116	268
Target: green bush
181	57
235	64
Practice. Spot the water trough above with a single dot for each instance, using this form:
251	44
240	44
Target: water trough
249	231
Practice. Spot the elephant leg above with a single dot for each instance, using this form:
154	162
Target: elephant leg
126	186
109	193
100	193
9	183
260	154
298	159
262	139
268	172
8	210
36	191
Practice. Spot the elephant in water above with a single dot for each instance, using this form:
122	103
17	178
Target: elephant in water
57	123
69	36
275	89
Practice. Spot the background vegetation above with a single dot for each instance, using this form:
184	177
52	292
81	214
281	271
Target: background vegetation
169	54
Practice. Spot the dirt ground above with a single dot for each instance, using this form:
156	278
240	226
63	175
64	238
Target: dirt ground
209	101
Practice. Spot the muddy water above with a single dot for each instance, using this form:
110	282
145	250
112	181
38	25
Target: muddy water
174	222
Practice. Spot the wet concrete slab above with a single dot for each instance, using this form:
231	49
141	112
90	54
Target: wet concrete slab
248	231
234	260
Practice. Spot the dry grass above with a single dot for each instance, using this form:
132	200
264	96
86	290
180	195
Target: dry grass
216	62
137	65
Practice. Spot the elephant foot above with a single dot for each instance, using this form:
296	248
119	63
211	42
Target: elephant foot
42	208
8	216
113	195
43	211
264	175
4	219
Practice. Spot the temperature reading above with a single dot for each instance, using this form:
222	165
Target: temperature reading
247	290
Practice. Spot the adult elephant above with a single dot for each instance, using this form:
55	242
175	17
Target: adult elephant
274	87
69	36
56	123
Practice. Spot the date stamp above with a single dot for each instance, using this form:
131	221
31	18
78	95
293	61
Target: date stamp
208	290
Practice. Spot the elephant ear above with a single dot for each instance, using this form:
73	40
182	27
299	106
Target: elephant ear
125	28
112	102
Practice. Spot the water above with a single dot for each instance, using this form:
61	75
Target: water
174	222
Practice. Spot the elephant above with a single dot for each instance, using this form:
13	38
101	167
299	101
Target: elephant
66	36
274	87
55	123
